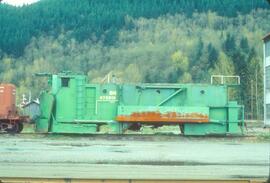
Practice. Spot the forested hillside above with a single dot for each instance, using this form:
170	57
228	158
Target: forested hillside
140	41
99	19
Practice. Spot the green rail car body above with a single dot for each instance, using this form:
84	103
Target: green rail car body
74	106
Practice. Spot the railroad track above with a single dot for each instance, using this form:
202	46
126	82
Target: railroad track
67	180
169	134
139	137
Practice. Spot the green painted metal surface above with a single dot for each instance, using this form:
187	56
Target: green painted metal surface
45	118
74	106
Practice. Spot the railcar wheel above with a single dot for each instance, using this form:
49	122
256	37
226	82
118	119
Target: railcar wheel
4	126
11	130
19	127
135	127
16	128
181	127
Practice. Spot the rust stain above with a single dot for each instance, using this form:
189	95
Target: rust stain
169	117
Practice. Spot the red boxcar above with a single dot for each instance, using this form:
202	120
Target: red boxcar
10	120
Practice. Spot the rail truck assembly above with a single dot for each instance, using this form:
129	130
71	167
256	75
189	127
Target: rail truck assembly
72	105
10	120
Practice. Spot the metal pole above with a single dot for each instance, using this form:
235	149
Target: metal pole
256	95
264	86
251	98
222	79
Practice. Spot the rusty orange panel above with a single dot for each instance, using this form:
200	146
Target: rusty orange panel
169	117
7	101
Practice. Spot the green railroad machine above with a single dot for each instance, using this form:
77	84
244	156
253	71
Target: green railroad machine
74	106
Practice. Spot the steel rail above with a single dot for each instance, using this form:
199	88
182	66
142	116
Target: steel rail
68	180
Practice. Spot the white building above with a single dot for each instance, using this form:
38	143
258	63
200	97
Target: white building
266	56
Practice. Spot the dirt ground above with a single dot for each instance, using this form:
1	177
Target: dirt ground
133	156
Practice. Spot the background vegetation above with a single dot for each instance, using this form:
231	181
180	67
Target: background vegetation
140	41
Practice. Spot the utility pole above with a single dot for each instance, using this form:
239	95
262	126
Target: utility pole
251	98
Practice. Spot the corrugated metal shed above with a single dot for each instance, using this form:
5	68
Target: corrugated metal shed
266	37
31	109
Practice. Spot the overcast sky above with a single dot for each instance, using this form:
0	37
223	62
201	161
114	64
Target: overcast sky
19	2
